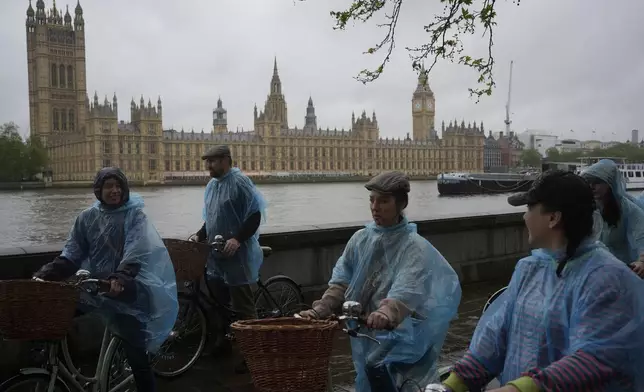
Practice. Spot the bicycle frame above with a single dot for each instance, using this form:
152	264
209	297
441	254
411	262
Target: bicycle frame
71	374
68	373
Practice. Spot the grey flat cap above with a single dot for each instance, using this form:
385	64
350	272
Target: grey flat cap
217	152
389	182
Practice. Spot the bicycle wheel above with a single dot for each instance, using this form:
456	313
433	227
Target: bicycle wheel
186	341
34	382
116	371
280	296
492	298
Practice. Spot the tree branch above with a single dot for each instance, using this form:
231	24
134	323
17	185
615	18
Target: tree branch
459	17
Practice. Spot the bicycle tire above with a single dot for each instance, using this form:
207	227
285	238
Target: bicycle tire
276	281
110	354
203	322
492	298
42	376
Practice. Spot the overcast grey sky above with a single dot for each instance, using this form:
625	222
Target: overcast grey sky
577	63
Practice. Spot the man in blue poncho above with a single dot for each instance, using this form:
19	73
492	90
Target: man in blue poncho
572	317
402	282
621	216
114	240
233	208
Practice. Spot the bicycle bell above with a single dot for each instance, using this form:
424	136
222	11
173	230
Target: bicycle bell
351	308
219	242
81	273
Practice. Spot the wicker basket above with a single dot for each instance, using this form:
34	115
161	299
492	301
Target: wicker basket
286	354
189	258
32	310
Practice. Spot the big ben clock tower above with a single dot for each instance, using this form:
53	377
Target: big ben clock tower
423	109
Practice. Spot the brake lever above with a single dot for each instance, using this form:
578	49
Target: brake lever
355	334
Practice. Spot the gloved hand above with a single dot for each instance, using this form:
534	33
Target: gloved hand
310	314
320	311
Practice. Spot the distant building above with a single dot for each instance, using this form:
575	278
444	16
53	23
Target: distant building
83	134
538	140
591	145
491	154
569	145
635	136
511	148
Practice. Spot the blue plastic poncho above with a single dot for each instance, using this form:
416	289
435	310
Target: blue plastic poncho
626	240
397	263
228	202
596	306
102	239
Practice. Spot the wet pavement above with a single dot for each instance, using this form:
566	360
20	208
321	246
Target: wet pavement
211	374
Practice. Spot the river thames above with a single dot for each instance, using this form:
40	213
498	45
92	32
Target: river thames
34	217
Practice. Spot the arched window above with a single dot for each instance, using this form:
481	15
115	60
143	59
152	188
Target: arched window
70	76
62	76
54	75
63	119
55	119
72	120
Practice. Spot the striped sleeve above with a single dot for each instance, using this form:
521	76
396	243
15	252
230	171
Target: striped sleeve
578	372
472	372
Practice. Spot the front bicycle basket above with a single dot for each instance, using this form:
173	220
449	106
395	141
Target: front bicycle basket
286	354
188	258
32	310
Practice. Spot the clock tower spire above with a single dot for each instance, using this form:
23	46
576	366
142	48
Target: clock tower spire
423	109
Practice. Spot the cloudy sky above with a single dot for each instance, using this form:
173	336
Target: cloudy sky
577	63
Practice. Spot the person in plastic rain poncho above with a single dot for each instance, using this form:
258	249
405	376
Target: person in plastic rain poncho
572	317
233	208
620	218
114	240
402	282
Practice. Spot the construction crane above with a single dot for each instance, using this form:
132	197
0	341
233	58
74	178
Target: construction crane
507	105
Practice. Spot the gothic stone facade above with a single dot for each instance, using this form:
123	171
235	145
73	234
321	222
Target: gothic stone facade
85	135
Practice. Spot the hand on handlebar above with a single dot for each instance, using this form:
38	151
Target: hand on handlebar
115	288
379	320
309	314
231	247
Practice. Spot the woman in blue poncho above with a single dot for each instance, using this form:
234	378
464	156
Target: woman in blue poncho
622	215
402	281
572	317
114	240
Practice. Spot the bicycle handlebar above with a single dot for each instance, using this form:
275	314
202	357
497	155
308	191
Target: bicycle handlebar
89	285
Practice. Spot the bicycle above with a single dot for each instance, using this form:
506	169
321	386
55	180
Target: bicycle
192	305
61	375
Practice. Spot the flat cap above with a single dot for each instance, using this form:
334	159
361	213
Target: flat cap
389	182
221	151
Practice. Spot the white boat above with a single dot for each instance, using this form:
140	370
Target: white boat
633	172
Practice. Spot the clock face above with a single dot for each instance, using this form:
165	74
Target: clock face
417	105
430	105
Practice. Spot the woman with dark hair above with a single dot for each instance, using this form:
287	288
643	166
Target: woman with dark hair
622	215
403	284
572	317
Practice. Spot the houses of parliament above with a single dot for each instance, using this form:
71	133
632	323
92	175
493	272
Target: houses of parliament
84	134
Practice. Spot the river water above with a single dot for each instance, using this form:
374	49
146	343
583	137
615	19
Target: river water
34	217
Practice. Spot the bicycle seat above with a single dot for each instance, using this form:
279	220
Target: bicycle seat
267	250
